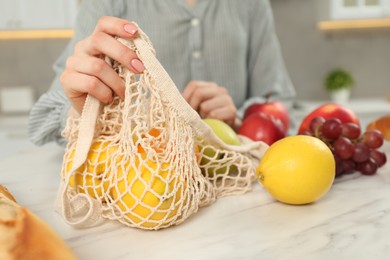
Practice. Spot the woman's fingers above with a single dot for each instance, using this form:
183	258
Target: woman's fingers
115	26
219	107
83	84
101	44
210	107
210	101
87	73
224	114
98	68
197	92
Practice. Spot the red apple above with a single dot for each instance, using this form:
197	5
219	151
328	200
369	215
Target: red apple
260	127
274	109
329	110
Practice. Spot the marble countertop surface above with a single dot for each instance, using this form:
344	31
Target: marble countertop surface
351	222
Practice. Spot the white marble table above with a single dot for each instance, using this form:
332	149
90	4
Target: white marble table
351	222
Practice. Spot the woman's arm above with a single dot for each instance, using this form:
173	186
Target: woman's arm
267	72
48	116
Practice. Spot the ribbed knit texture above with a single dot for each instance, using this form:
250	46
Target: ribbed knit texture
230	42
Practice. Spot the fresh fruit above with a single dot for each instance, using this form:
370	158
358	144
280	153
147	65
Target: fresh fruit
260	127
275	109
373	139
223	131
152	139
210	155
352	150
367	167
331	128
327	111
297	169
94	186
361	153
89	177
379	157
350	130
344	148
382	124
148	193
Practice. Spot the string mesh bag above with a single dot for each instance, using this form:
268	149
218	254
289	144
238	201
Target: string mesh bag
148	161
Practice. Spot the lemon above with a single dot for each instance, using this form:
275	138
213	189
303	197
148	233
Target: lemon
297	169
150	198
98	158
88	178
91	185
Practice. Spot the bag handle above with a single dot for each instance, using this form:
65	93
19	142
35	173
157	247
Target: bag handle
81	210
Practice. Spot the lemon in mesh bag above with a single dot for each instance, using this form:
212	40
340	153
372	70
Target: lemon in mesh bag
89	178
147	192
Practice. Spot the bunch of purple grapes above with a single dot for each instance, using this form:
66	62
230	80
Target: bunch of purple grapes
352	150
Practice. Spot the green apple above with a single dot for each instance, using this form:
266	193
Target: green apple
224	132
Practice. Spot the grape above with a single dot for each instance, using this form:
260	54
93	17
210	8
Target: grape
339	165
362	152
368	167
349	166
373	138
331	128
344	147
352	150
350	130
379	157
316	124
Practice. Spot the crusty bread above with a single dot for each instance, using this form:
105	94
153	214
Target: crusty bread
24	236
4	191
382	124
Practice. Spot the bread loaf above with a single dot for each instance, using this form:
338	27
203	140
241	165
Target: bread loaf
382	124
3	190
24	236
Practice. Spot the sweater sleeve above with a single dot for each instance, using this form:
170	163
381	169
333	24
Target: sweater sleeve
48	116
267	72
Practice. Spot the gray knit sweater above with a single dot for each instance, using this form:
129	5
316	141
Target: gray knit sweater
230	42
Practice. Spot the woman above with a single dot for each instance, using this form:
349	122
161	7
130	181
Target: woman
223	55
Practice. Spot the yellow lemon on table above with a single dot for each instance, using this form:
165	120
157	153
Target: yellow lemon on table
148	193
88	178
297	169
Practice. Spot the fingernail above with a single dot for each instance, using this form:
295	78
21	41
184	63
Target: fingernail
131	28
137	65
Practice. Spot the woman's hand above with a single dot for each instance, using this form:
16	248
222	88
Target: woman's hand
87	73
210	101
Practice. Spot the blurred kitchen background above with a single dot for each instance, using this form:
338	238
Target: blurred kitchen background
316	36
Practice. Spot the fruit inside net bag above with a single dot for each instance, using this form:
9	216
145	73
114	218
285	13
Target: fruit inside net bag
138	160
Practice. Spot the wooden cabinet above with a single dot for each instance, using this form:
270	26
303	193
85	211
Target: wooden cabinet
37	14
8	12
336	15
359	9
